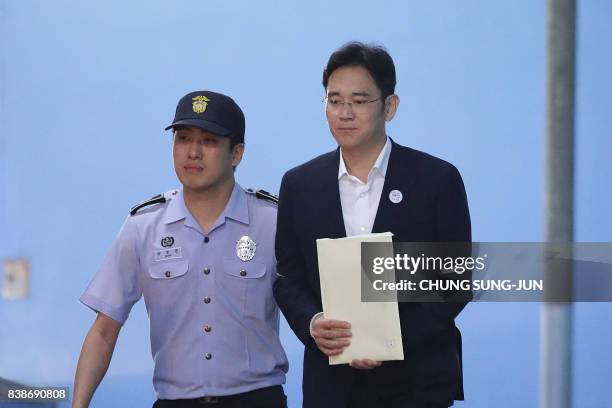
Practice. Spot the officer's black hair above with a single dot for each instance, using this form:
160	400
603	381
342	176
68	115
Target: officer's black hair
233	142
375	59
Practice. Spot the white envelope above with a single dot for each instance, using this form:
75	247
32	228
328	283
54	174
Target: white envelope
375	325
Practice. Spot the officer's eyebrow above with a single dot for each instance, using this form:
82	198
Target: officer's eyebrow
178	128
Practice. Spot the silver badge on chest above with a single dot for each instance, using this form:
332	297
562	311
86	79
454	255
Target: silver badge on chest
245	248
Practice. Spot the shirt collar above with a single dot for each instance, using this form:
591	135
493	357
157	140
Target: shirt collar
176	209
380	164
236	209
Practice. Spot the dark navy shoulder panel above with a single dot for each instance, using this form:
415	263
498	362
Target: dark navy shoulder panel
158	199
263	194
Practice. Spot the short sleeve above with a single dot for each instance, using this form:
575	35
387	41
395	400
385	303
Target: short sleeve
116	287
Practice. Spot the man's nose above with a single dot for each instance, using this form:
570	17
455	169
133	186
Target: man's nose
346	111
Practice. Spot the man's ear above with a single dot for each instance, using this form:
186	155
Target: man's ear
391	104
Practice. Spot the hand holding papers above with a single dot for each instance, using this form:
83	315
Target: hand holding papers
375	325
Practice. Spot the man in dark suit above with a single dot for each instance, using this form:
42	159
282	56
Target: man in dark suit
369	184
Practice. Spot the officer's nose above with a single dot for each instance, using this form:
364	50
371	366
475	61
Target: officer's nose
195	151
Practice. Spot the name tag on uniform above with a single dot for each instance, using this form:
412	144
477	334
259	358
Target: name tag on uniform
169	253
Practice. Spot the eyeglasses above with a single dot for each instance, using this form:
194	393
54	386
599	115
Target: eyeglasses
337	104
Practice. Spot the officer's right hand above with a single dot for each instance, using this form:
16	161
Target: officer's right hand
331	336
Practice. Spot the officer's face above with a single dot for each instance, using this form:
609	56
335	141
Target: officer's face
202	160
360	124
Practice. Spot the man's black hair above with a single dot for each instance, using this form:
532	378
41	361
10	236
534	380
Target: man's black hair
375	59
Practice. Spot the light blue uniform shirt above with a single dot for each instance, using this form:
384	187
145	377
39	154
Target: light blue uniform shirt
213	318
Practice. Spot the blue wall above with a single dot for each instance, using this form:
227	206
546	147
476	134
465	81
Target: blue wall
87	88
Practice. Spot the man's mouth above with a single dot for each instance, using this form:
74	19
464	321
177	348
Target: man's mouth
193	168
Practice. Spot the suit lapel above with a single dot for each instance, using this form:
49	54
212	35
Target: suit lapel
331	211
400	178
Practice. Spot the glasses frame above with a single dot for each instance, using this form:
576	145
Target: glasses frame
352	105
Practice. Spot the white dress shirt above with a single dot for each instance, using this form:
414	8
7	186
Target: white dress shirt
360	200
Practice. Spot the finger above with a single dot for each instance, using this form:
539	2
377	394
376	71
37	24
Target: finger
330	352
332	344
356	364
365	364
371	363
361	367
332	334
332	324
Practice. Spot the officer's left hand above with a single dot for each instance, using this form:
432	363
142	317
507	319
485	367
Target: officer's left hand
365	364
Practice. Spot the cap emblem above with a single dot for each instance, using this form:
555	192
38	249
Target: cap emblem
200	103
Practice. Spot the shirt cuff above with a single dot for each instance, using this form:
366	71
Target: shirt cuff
119	314
312	322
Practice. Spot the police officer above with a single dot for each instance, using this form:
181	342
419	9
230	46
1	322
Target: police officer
203	258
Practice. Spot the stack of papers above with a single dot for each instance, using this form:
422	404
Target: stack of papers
375	325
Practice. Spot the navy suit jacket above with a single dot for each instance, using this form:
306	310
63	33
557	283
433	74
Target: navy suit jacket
433	209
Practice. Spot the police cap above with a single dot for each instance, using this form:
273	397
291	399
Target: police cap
210	111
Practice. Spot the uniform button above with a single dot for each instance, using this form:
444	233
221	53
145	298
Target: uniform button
208	356
243	273
207	300
167	274
207	329
206	240
206	271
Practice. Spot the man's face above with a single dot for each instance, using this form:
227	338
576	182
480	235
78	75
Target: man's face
362	123
203	160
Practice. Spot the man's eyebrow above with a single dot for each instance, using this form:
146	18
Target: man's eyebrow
356	93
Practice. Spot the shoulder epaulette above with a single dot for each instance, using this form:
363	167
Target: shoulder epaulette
266	196
153	200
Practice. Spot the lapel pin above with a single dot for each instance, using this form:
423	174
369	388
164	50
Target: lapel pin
395	196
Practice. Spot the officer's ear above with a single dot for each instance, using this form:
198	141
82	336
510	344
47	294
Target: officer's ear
237	152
